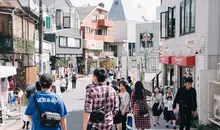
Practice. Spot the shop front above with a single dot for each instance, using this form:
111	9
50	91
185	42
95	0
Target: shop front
168	71
185	67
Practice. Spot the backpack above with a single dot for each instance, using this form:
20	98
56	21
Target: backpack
142	108
73	77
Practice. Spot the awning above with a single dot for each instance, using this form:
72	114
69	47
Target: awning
110	57
94	57
183	60
6	71
165	59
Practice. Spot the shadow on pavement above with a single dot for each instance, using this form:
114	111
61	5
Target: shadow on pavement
74	120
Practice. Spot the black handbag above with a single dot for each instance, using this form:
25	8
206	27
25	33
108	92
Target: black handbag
47	119
99	115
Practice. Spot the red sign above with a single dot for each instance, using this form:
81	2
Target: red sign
184	60
165	59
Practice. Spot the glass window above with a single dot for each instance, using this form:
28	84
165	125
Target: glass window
164	24
63	41
192	15
94	18
73	42
66	22
187	15
171	20
88	30
102	16
182	17
116	2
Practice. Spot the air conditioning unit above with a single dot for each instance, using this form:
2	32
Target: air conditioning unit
218	72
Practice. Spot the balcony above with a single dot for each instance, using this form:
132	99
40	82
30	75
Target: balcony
105	23
93	45
103	38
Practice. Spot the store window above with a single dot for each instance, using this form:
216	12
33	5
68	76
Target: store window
187	16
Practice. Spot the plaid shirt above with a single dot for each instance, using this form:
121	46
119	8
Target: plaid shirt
95	99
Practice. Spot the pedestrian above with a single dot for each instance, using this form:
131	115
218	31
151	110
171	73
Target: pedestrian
100	103
67	81
157	103
62	84
74	78
4	84
118	118
139	101
186	98
168	110
125	101
38	86
11	86
48	104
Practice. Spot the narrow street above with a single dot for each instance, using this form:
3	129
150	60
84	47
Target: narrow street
74	100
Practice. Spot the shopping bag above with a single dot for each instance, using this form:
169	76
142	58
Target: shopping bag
130	122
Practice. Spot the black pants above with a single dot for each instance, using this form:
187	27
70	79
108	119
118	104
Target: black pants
185	118
74	84
124	121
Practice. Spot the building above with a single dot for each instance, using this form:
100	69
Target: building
98	37
190	47
63	28
122	13
17	30
146	50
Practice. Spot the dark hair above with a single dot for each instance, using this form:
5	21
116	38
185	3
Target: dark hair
3	79
139	90
130	81
155	92
100	74
38	87
123	83
9	78
66	75
107	83
189	80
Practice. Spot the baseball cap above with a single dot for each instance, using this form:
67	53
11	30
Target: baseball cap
46	79
189	80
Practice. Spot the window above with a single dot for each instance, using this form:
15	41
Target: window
168	26
87	30
164	24
114	48
69	42
187	16
171	22
94	18
131	49
63	41
66	21
102	16
116	2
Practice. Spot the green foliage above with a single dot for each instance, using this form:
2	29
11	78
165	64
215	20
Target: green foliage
113	64
23	46
142	76
59	63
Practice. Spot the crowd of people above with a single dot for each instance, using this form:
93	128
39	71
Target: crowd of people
108	104
124	97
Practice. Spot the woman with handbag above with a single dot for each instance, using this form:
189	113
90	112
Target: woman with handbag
100	104
157	102
139	106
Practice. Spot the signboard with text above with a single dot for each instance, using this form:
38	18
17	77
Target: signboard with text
184	60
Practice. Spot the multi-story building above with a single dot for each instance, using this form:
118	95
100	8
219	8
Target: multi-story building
63	28
122	14
147	46
190	47
17	28
98	36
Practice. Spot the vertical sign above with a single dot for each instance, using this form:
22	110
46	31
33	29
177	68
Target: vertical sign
47	22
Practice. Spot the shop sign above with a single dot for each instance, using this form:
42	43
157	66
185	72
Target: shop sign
190	43
184	60
165	59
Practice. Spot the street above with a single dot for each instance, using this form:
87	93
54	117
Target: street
74	100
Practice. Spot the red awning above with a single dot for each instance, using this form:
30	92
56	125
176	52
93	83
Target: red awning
165	59
184	60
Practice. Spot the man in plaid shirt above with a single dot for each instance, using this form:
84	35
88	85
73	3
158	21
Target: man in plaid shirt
95	100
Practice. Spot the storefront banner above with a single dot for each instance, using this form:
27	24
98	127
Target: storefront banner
165	59
183	60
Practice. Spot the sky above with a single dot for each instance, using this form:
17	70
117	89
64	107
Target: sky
148	5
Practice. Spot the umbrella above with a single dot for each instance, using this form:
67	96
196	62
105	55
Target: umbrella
30	88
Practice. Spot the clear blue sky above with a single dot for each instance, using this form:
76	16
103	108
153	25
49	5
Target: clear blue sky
148	5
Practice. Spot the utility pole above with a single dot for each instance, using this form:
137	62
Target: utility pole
40	37
145	53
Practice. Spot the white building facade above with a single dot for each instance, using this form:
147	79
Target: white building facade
190	33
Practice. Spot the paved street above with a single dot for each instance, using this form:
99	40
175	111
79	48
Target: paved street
74	101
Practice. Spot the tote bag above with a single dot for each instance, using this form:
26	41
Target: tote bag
130	123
